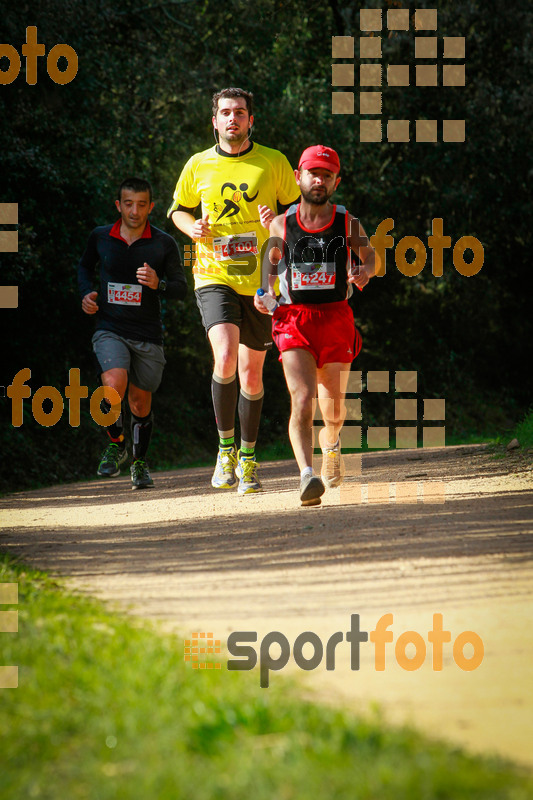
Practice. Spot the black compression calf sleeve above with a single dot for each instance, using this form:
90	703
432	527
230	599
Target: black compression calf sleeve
224	392
141	432
250	406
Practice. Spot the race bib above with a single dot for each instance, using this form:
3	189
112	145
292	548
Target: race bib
322	276
124	294
230	248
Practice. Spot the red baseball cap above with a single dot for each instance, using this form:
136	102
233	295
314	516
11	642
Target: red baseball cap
320	156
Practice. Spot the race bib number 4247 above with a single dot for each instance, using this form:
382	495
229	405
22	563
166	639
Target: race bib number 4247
124	294
322	276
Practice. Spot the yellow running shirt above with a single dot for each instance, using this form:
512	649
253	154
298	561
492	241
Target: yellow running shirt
230	189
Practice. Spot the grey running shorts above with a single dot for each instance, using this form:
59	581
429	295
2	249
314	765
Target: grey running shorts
144	361
222	304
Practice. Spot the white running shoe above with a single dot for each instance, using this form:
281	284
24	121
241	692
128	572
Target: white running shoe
311	490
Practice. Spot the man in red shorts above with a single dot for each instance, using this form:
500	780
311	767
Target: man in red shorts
312	244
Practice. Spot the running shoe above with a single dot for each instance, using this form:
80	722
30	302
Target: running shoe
311	490
332	472
112	459
140	477
246	472
224	474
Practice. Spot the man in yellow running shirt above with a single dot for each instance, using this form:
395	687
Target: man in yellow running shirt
241	186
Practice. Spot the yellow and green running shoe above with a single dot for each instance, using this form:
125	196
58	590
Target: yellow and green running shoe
246	472
224	474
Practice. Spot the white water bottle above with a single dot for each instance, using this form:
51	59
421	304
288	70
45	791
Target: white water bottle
267	300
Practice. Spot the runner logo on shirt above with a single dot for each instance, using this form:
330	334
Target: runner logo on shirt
231	206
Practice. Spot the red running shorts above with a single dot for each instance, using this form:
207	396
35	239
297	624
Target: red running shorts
326	330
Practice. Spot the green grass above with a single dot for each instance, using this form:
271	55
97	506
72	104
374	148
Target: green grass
106	708
524	431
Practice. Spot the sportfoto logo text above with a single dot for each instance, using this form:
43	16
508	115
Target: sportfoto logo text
246	258
409	650
32	49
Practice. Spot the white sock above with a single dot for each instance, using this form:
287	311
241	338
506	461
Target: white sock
306	471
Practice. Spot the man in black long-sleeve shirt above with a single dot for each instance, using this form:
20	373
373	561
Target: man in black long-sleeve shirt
138	265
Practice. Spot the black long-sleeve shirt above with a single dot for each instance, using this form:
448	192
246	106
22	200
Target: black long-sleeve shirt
125	307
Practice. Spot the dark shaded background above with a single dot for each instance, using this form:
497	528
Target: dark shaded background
140	104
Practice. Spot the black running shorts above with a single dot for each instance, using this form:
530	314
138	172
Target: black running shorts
219	304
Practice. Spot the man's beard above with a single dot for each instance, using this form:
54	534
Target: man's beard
316	199
234	137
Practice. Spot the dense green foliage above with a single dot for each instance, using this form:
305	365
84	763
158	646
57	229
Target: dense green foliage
137	722
140	104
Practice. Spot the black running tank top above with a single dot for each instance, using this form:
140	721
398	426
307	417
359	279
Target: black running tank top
314	265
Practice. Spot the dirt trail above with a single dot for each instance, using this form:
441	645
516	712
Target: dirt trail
203	561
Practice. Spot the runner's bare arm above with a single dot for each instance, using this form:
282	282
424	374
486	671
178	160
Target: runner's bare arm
276	229
273	255
358	241
195	228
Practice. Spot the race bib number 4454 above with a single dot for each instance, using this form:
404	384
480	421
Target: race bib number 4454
319	276
124	294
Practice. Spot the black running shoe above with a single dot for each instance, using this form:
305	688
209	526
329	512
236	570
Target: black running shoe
140	477
112	459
